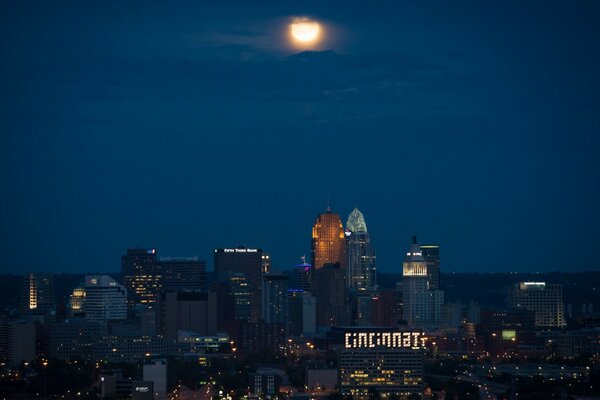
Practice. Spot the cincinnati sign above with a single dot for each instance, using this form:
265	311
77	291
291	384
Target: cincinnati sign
373	340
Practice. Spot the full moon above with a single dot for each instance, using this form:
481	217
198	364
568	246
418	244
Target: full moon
305	31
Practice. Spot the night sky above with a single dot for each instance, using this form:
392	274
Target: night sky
189	126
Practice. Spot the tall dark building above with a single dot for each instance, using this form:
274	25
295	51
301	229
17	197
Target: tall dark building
328	240
431	254
187	310
183	273
361	272
246	261
330	291
142	276
305	275
37	293
275	298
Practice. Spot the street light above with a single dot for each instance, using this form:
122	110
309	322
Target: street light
45	364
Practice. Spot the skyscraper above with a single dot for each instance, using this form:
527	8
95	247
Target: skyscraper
330	291
105	299
142	276
246	261
431	254
544	299
360	254
421	306
305	279
328	243
180	273
37	293
275	298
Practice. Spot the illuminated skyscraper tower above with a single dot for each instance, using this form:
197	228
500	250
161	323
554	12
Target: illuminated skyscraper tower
37	295
360	254
328	243
421	306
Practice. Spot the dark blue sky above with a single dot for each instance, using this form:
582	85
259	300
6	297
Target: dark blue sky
192	126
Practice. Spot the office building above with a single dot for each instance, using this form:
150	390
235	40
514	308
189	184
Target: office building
187	310
266	263
385	311
387	362
37	294
302	313
544	299
105	299
74	338
182	273
431	254
244	261
362	274
241	293
420	305
156	372
275	298
328	240
304	273
77	301
330	292
266	382
142	276
17	342
262	336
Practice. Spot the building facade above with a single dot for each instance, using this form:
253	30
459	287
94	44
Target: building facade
328	240
182	273
142	276
105	299
546	300
431	254
247	261
386	362
37	293
421	306
362	273
275	302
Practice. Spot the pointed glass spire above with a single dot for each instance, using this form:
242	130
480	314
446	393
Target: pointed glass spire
356	222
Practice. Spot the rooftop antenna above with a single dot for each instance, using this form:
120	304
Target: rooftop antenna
328	206
414	239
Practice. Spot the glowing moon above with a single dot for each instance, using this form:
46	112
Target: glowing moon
305	30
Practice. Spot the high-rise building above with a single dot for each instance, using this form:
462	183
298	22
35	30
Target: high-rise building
302	313
431	254
330	291
420	305
305	275
266	263
142	276
187	310
77	301
37	293
240	292
156	372
275	298
545	299
17	342
385	309
246	261
105	299
182	273
383	361
328	240
362	274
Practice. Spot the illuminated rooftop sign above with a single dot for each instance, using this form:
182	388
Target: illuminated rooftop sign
240	250
373	340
